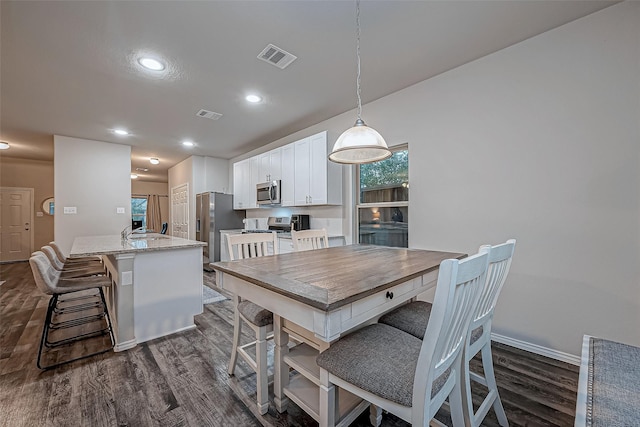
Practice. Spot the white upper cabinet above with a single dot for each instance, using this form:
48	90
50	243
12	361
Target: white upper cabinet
241	173
270	165
317	180
288	177
307	176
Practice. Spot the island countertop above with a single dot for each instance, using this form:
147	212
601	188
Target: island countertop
113	244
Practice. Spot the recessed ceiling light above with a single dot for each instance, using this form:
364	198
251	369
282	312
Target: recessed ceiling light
151	64
188	143
4	145
134	176
154	161
121	132
253	98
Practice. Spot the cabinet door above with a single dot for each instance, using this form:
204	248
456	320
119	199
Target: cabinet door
255	178
265	168
275	164
302	152
239	192
288	176
318	169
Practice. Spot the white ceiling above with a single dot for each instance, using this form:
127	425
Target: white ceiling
68	68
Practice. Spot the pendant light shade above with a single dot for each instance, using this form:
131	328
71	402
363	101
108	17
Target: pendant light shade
359	144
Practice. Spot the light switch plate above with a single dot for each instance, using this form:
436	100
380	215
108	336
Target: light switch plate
70	210
120	210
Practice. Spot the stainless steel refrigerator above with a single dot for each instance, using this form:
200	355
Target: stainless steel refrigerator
214	212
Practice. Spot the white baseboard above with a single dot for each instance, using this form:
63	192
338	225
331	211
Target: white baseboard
538	349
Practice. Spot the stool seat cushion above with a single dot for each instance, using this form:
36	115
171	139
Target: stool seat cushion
255	314
379	359
411	318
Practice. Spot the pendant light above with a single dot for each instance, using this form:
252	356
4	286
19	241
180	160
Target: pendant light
359	144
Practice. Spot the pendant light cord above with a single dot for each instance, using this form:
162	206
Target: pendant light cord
358	56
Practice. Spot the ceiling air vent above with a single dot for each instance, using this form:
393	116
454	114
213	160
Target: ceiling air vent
208	114
276	56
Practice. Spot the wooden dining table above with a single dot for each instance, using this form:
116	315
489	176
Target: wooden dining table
317	296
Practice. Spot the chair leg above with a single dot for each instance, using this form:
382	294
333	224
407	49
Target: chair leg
45	328
327	400
455	398
487	365
237	329
375	415
262	392
44	341
467	401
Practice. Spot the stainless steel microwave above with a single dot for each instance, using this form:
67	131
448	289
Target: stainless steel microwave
268	193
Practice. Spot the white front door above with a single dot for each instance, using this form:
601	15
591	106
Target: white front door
15	223
180	211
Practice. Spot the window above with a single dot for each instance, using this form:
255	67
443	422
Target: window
139	212
383	201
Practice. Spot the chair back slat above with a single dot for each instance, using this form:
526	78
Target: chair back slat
499	264
307	240
459	285
251	245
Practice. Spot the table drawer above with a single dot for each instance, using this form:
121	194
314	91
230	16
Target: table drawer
383	300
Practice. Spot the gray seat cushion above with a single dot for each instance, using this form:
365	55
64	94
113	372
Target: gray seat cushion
413	319
255	314
379	359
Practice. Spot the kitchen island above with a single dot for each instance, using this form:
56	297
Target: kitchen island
157	283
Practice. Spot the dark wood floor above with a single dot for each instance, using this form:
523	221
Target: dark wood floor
181	380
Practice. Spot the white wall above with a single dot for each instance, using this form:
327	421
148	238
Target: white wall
94	177
540	142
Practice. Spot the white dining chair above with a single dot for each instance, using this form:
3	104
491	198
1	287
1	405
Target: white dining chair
413	318
260	320
479	338
400	373
306	240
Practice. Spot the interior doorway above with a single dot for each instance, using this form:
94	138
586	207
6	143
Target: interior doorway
16	219
180	211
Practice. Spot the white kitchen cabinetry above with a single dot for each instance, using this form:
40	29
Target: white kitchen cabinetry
241	173
245	174
317	181
270	166
307	177
288	177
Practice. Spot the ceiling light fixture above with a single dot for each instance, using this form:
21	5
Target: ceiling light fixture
151	64
154	161
134	176
4	145
254	99
359	144
188	143
121	132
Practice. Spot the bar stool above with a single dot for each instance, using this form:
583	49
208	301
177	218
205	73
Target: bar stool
260	320
307	240
48	280
72	270
65	260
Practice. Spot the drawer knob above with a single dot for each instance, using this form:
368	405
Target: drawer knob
389	294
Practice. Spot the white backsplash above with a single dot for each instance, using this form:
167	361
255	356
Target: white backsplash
328	217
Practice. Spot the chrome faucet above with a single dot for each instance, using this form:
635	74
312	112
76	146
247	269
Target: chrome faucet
125	235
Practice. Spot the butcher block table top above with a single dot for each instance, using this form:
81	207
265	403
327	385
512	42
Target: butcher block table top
330	278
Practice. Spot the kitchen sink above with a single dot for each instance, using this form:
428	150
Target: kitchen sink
145	237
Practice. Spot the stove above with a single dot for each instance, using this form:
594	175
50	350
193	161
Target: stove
279	224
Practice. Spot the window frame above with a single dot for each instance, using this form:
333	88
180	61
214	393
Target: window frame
359	205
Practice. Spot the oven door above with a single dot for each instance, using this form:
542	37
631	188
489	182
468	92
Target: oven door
268	193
